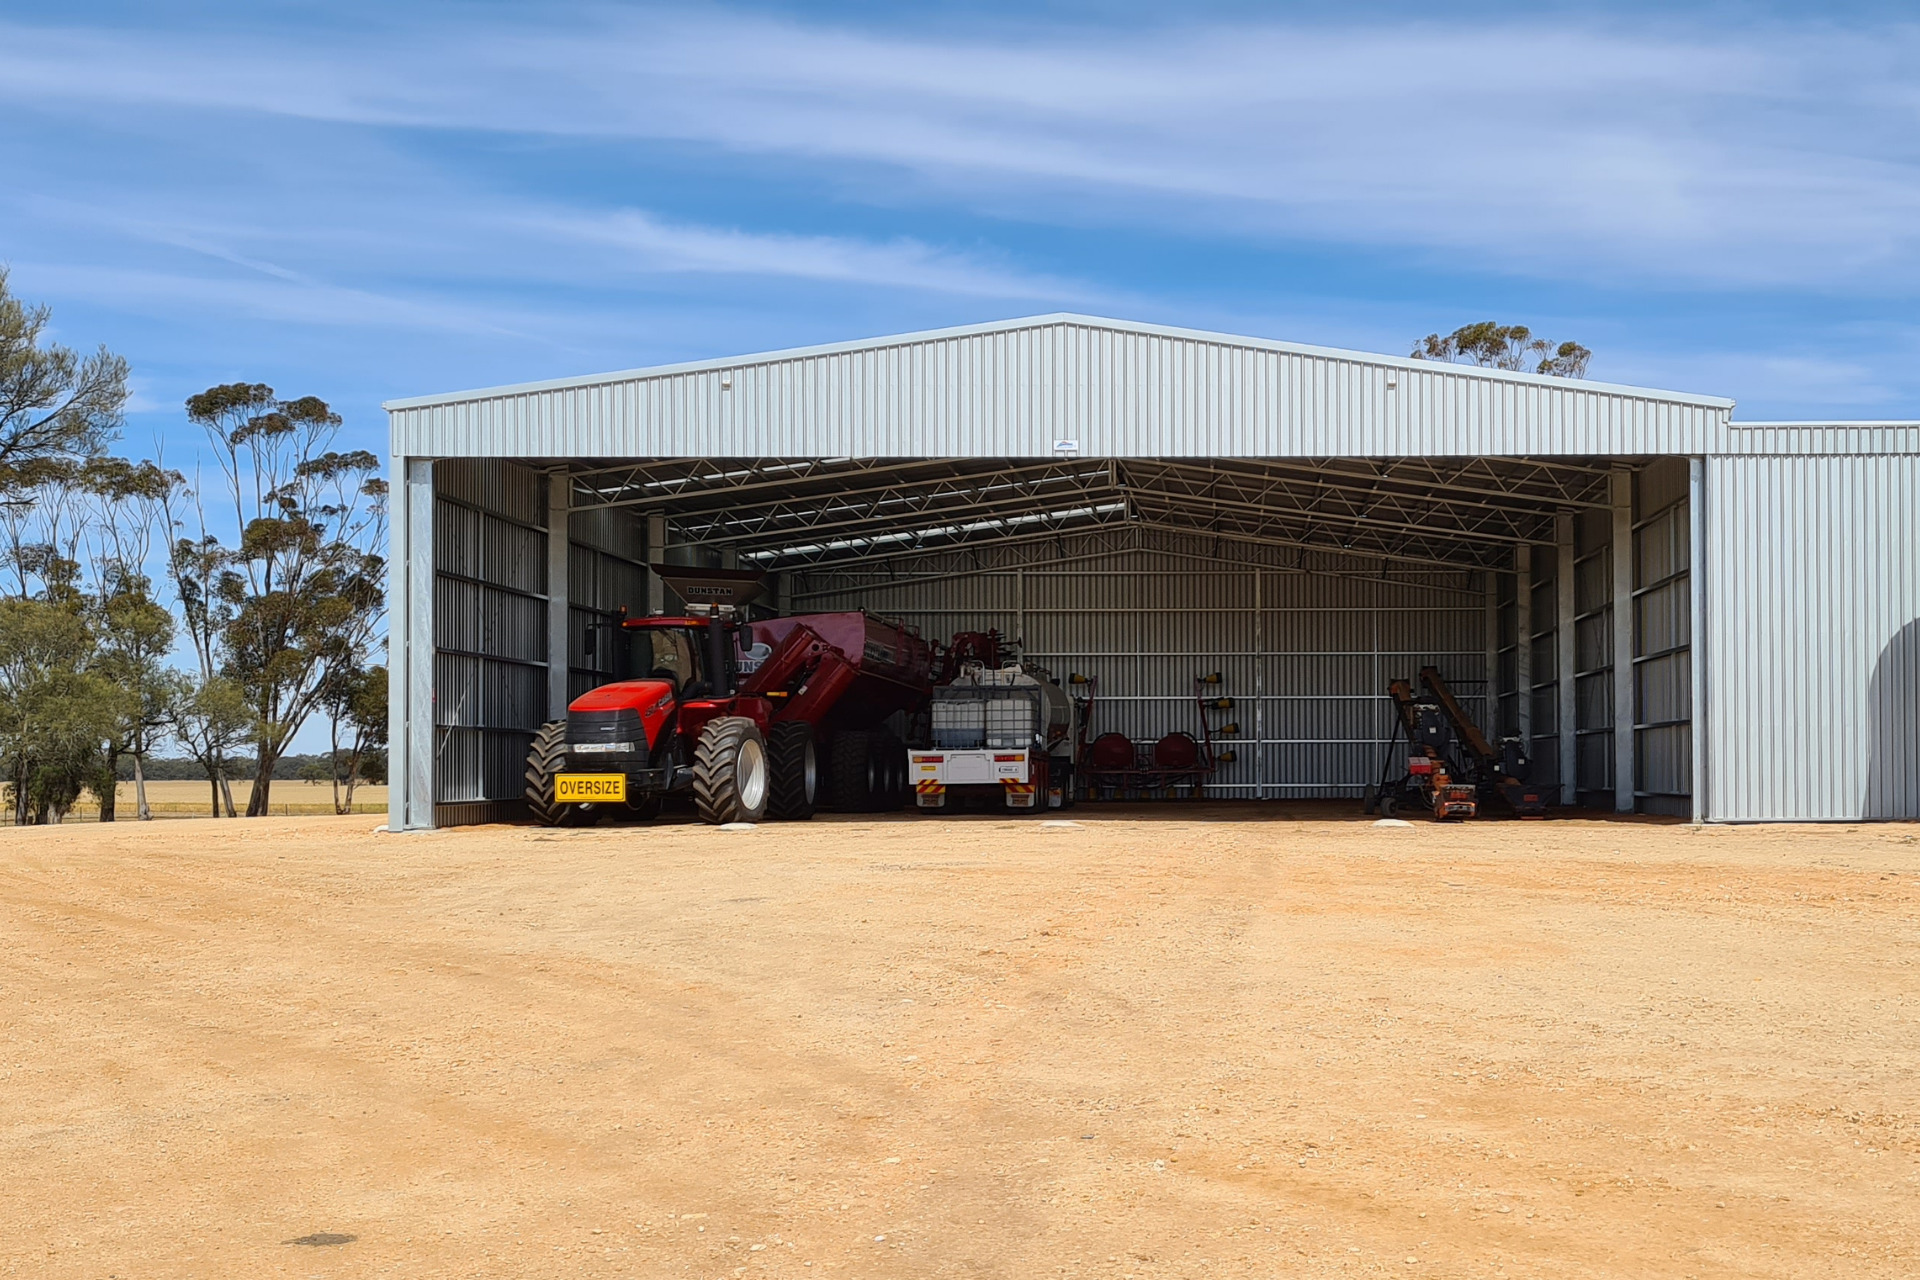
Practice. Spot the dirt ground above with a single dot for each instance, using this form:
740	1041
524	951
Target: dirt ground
1150	1044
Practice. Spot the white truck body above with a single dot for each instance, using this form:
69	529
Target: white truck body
1007	730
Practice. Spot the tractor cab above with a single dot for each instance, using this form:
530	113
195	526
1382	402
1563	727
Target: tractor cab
698	656
669	649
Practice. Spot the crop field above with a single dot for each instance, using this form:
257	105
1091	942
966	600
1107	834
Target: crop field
290	798
1131	1042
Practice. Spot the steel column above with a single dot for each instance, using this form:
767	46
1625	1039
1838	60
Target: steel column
399	588
559	542
421	739
1020	608
1490	698
656	554
1523	644
1564	656
1696	631
1623	700
1259	690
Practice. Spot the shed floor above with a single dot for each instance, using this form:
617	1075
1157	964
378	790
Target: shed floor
1146	1045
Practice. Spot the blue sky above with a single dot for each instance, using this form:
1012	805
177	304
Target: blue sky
366	201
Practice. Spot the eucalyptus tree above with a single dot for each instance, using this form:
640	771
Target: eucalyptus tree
56	406
211	718
1505	346
133	631
56	710
355	700
298	592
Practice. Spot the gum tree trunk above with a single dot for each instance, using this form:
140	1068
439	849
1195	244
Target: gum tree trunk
262	783
109	806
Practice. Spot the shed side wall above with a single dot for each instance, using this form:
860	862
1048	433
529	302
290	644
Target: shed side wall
1812	611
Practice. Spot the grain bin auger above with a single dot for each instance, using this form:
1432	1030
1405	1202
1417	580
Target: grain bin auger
753	719
1451	768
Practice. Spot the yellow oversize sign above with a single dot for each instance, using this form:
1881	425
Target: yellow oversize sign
575	788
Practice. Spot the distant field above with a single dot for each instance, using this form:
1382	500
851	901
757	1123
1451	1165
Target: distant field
194	799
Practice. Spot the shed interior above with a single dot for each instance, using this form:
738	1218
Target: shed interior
1307	582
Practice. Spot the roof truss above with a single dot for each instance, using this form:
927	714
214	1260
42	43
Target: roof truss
814	512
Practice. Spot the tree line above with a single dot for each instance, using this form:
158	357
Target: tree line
143	609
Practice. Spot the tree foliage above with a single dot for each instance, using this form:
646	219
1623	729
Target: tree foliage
56	712
355	701
298	595
1505	346
276	591
57	408
212	719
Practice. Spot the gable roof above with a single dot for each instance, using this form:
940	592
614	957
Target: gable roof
1026	387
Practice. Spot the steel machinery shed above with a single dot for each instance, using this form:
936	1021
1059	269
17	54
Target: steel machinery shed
1682	613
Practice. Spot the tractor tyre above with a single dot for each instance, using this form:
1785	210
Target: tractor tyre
730	771
1388	806
547	757
850	776
889	770
1042	781
795	766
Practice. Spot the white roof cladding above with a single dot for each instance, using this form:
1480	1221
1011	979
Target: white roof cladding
1016	388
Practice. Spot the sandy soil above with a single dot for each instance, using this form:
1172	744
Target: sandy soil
1144	1046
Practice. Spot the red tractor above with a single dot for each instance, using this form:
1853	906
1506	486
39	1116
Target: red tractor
742	715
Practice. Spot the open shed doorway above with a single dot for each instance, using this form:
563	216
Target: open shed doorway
1306	583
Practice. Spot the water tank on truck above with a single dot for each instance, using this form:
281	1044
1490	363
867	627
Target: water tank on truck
1003	735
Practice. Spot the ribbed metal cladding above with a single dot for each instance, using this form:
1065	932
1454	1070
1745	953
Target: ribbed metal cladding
1821	438
489	627
1014	389
1307	668
1663	640
607	571
1812	612
1544	693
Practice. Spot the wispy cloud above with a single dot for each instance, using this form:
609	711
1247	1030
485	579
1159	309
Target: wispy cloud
1769	155
649	243
251	297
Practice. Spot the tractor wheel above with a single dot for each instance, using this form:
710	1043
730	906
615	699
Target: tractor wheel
1042	780
850	774
547	757
730	771
1388	806
889	771
796	772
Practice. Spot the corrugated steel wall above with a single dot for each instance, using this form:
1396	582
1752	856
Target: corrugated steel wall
1662	639
1306	656
1506	715
489	630
1820	438
607	569
1812	612
1014	390
1543	747
1593	659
